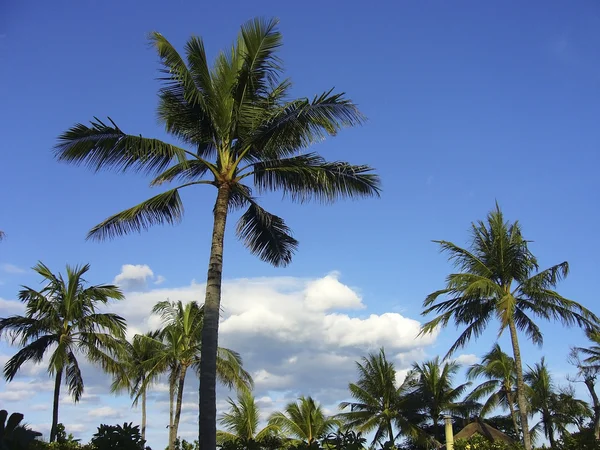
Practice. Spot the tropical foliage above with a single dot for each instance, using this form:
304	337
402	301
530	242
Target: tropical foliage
63	319
499	278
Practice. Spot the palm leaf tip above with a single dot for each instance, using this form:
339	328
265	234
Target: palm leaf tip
160	209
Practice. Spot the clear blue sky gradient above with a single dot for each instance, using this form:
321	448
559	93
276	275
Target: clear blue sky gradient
468	103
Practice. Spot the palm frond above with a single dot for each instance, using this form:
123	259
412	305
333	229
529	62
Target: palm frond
299	123
73	377
308	177
34	351
266	235
100	146
162	208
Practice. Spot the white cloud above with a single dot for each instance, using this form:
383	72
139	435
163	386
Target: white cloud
328	293
467	359
104	412
16	395
159	280
11	307
40	407
134	277
12	269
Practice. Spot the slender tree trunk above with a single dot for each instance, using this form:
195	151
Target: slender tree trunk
513	413
179	401
171	411
53	429
144	414
521	400
210	330
549	429
436	433
391	432
590	384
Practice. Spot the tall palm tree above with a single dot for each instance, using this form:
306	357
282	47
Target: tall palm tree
498	369
178	347
62	319
499	278
131	372
242	421
380	403
240	127
304	421
432	383
556	409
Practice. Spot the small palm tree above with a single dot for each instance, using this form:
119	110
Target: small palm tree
304	421
240	127
63	318
242	421
13	434
499	278
557	409
588	369
431	383
177	347
131	372
380	404
498	369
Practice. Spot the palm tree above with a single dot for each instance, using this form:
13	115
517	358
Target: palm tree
240	126
588	369
498	369
241	422
131	372
380	402
499	278
432	384
557	409
177	348
63	319
304	420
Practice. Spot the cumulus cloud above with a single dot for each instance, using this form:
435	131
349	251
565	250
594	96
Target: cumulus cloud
297	336
136	277
467	359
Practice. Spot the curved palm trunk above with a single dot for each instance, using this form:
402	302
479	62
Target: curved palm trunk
144	415
178	405
589	383
522	402
210	329
513	413
53	429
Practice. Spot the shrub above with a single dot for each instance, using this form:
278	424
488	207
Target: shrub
13	434
478	442
126	437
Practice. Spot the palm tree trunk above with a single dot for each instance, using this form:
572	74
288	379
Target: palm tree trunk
513	413
589	383
522	402
391	433
549	430
144	414
53	429
179	401
210	330
171	410
436	434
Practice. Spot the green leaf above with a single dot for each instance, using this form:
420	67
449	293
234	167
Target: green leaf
160	209
308	177
100	146
266	235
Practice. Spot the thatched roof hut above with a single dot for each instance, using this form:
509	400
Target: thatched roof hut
482	428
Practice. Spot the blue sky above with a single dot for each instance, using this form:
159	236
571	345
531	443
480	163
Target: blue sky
467	102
